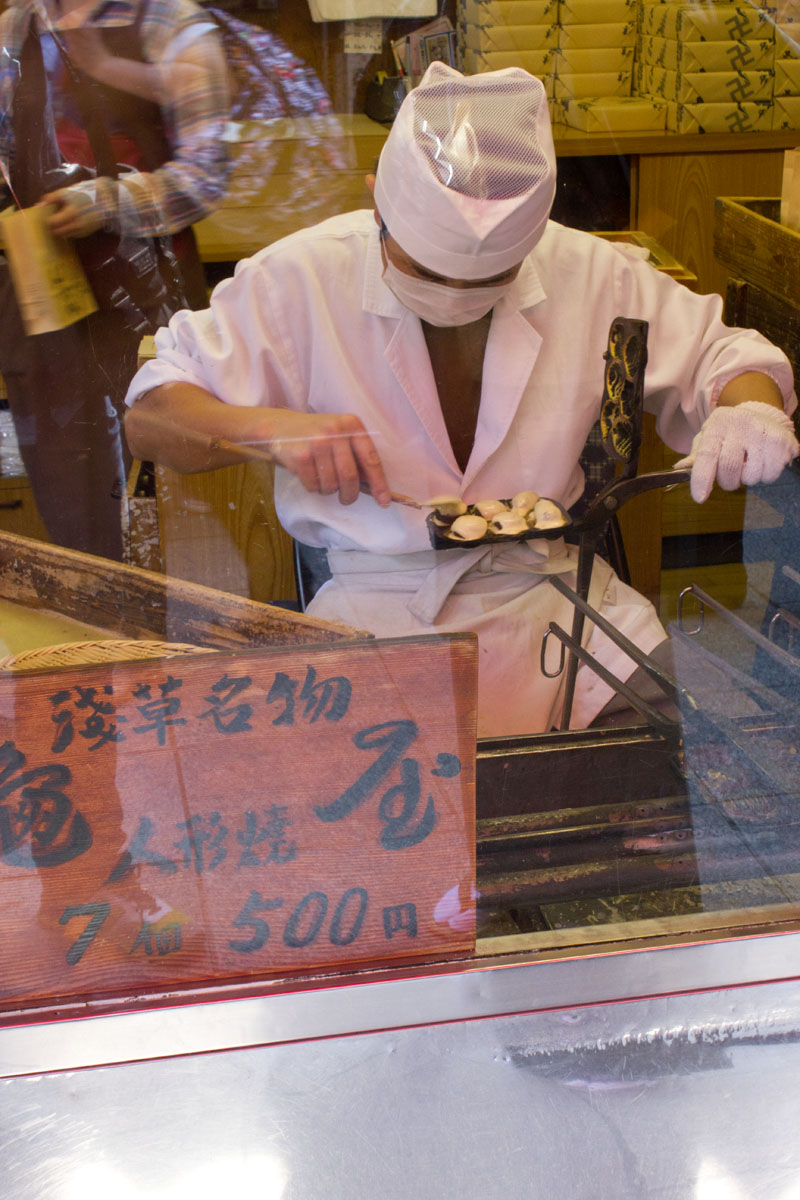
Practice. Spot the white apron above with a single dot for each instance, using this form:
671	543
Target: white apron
501	594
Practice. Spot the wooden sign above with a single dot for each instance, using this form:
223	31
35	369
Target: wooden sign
226	815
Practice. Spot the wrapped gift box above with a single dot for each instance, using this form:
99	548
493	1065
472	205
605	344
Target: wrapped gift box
597	36
786	112
674	55
707	22
614	114
602	61
719	118
705	87
538	62
509	12
787	77
589	12
487	38
591	84
787	42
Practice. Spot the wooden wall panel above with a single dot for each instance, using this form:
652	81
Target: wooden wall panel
676	197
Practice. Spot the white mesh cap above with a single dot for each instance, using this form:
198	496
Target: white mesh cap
467	176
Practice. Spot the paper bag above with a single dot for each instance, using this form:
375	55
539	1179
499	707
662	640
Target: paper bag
49	283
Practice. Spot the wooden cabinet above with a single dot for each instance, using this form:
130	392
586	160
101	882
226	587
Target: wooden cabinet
219	528
675	179
18	511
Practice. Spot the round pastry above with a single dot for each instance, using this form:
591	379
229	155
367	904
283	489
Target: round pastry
446	509
490	508
509	524
523	502
547	515
468	528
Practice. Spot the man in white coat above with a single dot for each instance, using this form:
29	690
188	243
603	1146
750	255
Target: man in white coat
452	341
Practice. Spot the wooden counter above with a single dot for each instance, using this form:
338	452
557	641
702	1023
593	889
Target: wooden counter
130	602
288	175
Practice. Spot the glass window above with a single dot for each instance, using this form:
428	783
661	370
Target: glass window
387	571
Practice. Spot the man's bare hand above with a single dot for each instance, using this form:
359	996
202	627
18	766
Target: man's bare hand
328	453
188	429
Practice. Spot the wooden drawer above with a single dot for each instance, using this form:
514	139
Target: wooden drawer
18	511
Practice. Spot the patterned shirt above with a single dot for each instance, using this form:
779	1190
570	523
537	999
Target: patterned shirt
192	182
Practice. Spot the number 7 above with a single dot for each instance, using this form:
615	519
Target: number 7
98	912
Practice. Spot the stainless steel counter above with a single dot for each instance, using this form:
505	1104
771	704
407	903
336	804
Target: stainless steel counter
664	1073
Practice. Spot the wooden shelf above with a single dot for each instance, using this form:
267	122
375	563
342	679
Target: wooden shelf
575	142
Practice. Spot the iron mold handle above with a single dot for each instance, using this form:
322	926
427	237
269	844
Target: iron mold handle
619	491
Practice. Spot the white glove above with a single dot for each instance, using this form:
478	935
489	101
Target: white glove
746	443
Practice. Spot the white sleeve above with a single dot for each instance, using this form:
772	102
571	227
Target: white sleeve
240	348
691	353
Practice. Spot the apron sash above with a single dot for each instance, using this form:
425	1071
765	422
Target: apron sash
441	571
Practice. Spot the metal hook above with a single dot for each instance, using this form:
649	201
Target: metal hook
543	656
701	616
788	619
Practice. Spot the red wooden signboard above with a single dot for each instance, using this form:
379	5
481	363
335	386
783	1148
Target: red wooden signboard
225	815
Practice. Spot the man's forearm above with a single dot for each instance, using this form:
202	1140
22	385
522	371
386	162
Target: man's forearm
180	426
186	428
749	386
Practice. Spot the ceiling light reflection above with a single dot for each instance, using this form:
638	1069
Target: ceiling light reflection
262	1175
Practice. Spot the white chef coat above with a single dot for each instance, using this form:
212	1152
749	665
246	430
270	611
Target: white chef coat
309	324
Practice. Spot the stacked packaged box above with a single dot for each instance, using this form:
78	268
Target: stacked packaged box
493	34
596	43
786	96
594	68
711	64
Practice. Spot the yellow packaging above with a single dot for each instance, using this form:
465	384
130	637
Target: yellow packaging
787	44
49	282
705	87
675	55
587	37
706	23
509	12
538	62
786	112
787	77
614	114
592	85
719	118
589	12
582	62
556	112
483	38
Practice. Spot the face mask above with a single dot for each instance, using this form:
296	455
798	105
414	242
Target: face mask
438	304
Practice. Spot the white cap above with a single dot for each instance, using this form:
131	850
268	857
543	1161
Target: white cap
467	176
